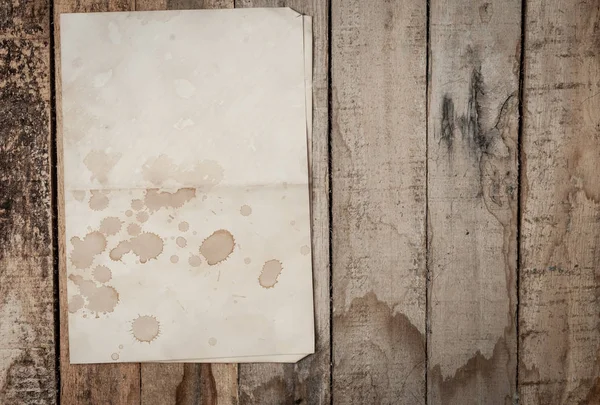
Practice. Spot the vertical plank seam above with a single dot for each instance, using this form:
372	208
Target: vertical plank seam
54	201
516	398
427	272
330	185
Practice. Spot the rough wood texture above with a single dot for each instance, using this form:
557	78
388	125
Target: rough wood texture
27	355
306	382
472	200
378	201
560	281
85	384
187	384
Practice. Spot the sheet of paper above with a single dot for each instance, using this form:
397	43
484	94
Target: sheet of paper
186	185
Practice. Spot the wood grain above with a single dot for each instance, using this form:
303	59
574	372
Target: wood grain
472	200
378	201
187	384
85	384
560	281
27	342
306	382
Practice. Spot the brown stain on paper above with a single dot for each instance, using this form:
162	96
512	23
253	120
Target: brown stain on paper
195	261
145	328
102	274
79	195
174	259
76	303
305	250
245	210
270	273
142	216
181	242
98	200
159	170
217	247
184	226
100	299
156	200
85	249
146	246
100	164
110	226
137	204
134	229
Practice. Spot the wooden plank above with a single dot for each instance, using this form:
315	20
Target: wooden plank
306	382
182	384
560	281
472	201
85	384
27	344
378	201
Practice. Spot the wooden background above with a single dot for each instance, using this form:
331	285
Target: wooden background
456	200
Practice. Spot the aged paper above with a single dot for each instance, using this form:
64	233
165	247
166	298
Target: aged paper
186	185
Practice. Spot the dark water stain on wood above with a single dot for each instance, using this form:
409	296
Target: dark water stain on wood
377	335
488	380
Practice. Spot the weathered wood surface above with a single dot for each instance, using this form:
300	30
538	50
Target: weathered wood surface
308	381
472	200
378	201
27	355
560	281
397	166
85	384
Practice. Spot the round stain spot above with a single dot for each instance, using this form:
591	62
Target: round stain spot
195	261
181	242
292	223
114	356
305	250
212	341
129	213
247	260
174	259
245	210
134	229
145	328
102	274
184	226
120	346
142	216
110	226
76	303
137	204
